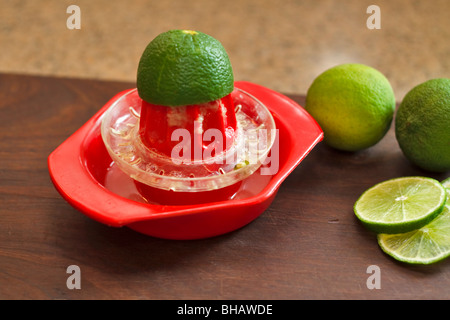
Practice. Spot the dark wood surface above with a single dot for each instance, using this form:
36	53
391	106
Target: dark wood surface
307	245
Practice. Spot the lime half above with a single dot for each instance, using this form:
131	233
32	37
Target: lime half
184	67
426	245
400	205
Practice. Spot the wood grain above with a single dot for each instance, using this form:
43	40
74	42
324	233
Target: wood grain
307	245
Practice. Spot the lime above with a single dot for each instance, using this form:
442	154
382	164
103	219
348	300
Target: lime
353	103
426	245
401	204
184	67
422	125
446	184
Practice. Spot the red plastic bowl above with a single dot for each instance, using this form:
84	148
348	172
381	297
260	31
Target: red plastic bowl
85	175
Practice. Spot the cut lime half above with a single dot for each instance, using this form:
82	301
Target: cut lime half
400	205
426	245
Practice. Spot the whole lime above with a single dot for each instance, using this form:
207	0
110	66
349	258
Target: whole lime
354	104
422	125
184	67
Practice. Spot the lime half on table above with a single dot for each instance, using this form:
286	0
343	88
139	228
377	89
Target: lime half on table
400	205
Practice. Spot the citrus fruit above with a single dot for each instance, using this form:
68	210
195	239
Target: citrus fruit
353	103
422	125
426	245
446	184
184	67
401	204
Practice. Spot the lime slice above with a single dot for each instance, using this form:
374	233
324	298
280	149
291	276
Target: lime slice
446	184
426	245
400	205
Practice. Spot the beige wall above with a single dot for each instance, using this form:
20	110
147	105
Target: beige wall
280	44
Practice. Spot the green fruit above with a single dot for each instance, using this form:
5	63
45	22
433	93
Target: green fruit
446	184
400	205
184	67
354	104
422	125
426	245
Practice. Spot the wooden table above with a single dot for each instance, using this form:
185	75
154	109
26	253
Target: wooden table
307	245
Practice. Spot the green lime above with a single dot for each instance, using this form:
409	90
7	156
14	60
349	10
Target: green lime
184	67
401	204
426	245
422	125
353	103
